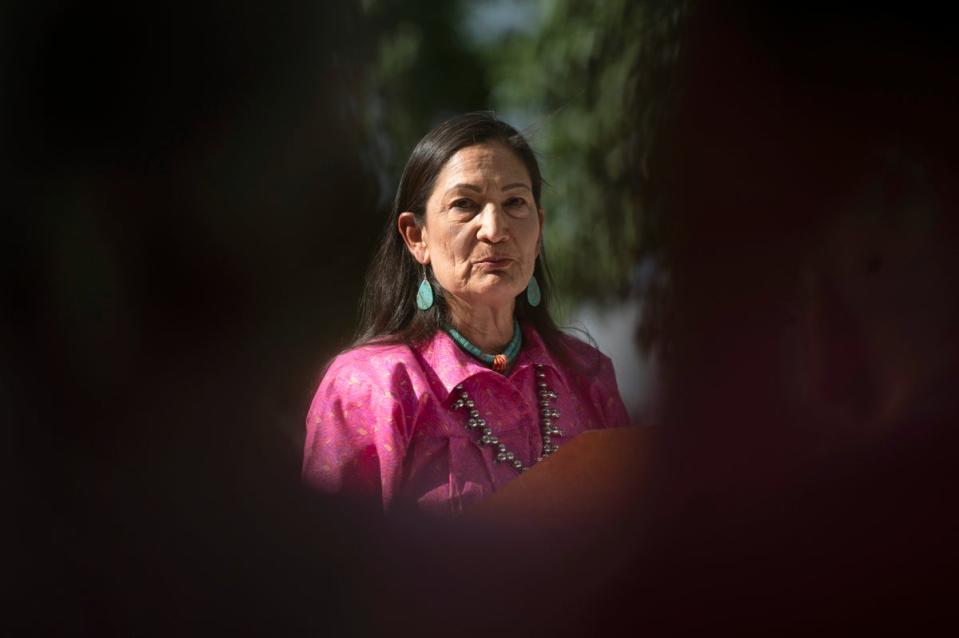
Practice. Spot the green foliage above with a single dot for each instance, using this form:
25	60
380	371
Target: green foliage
593	82
424	72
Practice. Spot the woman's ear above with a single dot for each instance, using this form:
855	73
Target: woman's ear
414	236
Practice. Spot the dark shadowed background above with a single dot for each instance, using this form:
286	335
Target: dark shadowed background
759	201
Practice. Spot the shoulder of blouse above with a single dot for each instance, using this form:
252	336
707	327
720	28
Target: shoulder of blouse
598	375
374	353
588	367
376	364
588	356
379	377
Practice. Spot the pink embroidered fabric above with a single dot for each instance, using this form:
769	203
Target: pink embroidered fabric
381	423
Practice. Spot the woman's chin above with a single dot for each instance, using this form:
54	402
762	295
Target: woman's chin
494	293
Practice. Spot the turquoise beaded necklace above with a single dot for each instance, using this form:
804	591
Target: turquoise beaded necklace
499	362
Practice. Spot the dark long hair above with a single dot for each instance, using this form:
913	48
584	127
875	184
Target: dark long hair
387	310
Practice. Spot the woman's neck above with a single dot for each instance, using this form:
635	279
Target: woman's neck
489	329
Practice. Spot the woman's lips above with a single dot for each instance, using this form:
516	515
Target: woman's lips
494	263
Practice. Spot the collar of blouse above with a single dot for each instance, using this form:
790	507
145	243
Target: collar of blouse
453	366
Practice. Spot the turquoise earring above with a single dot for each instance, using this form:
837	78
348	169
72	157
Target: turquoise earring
533	294
424	295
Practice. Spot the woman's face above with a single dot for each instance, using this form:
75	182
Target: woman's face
482	229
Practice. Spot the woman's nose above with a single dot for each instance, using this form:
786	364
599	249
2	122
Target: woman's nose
493	224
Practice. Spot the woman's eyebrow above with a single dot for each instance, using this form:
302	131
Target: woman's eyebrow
477	189
472	187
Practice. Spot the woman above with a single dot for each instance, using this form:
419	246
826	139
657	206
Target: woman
459	380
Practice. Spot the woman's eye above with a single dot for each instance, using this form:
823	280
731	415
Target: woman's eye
516	206
465	204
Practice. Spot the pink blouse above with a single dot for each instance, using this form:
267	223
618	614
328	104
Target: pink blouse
382	424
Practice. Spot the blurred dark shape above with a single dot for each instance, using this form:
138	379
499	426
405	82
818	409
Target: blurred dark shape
809	451
186	226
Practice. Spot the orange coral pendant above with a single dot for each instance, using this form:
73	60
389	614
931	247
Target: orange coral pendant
500	362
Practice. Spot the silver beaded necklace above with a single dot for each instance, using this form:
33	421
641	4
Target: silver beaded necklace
548	429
